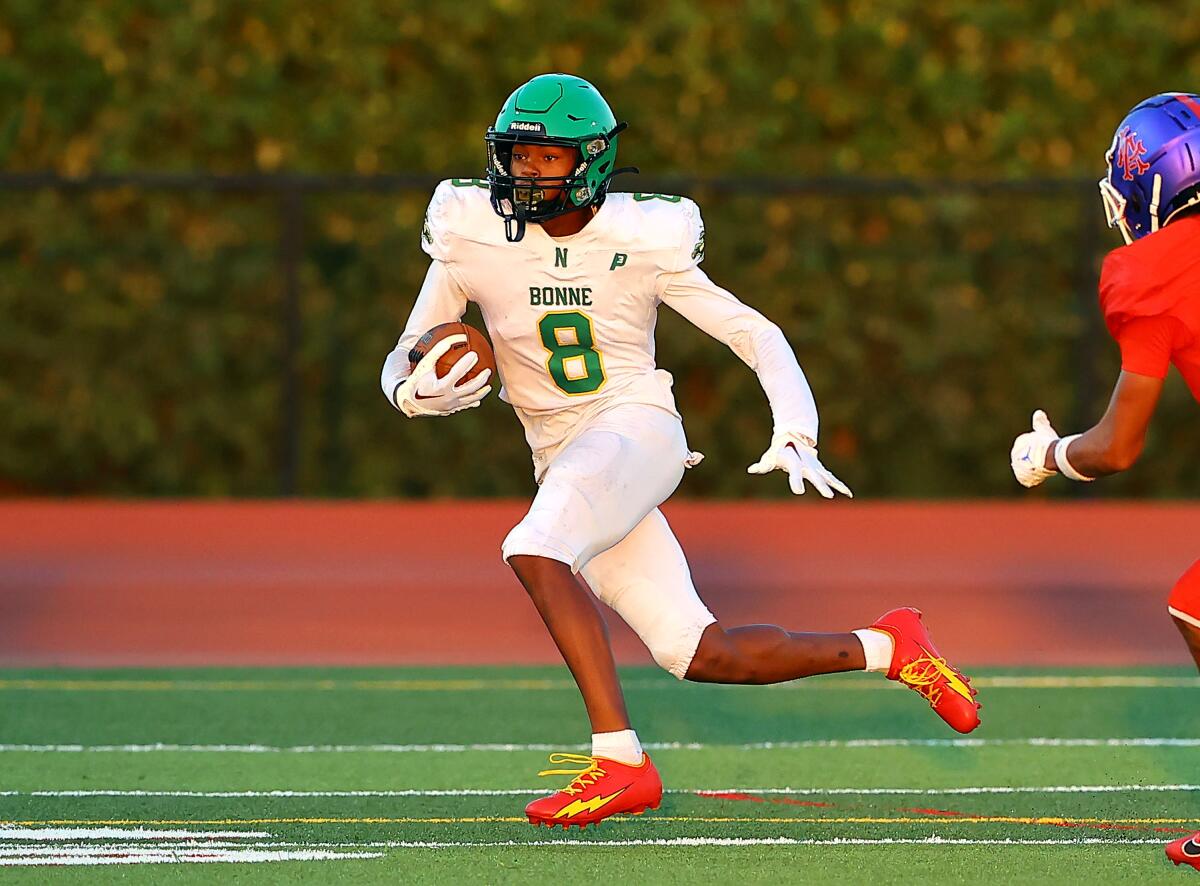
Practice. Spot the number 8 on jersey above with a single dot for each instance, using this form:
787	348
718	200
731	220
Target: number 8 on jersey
574	364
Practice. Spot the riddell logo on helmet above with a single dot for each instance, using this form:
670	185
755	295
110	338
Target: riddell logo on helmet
1130	149
524	126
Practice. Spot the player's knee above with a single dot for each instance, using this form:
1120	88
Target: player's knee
672	658
714	659
1185	596
530	541
675	652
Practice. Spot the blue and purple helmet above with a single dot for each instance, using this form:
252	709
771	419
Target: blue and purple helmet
1153	164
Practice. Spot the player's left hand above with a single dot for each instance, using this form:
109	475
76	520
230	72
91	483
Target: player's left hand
796	454
1028	456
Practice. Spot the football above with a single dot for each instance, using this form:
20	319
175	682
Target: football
476	341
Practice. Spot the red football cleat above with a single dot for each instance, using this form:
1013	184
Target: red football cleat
605	787
1185	850
917	664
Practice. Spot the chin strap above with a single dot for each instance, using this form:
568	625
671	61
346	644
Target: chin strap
514	226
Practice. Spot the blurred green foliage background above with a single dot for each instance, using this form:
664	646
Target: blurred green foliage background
144	339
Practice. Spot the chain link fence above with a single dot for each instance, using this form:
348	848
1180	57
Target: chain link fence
191	334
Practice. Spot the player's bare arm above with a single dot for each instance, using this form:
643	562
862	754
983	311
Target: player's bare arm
1116	441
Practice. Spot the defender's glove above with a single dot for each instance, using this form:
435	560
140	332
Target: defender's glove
423	393
1028	457
797	454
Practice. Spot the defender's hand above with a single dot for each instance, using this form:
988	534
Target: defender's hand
796	454
1028	456
423	393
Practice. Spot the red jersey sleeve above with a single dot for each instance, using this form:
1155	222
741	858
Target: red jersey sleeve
1116	291
1150	295
1147	344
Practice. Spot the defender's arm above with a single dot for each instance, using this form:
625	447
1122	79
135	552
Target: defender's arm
1116	441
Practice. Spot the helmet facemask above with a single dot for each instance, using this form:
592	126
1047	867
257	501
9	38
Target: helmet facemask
519	199
1114	209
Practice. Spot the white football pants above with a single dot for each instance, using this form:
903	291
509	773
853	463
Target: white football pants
597	511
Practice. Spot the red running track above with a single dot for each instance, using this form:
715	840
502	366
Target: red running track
189	583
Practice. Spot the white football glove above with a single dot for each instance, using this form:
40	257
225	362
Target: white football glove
423	393
1028	457
796	454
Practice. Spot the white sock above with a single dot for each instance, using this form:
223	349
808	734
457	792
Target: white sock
877	648
622	746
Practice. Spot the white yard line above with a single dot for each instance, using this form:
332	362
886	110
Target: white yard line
106	833
848	743
99	846
498	684
187	855
101	854
781	841
1003	789
570	841
58	846
1111	681
109	848
713	792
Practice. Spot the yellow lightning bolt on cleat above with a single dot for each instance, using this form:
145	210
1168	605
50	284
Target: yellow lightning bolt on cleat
917	665
591	805
601	788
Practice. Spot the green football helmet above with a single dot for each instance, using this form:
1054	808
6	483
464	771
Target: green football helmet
552	109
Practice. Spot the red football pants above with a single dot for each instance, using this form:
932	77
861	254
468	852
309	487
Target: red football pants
1184	601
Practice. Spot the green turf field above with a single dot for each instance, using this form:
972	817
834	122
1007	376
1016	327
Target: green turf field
420	775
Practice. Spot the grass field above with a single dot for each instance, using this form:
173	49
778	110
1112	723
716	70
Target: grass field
420	775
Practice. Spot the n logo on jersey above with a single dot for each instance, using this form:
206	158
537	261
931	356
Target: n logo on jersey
560	256
619	259
1130	149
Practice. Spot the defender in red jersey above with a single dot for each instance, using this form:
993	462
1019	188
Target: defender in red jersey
1150	296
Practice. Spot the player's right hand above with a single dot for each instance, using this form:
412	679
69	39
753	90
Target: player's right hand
1028	455
423	393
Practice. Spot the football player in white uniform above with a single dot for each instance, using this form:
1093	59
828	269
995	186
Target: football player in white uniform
569	278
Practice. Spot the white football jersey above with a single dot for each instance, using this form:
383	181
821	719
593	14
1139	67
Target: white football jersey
572	319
